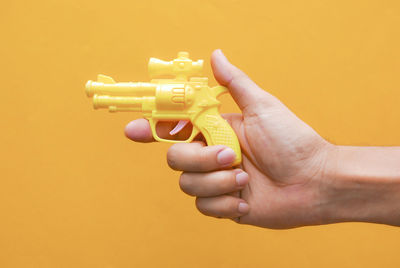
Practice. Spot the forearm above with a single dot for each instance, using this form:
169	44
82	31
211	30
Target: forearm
363	184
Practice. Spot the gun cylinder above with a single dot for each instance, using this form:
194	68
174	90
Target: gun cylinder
118	103
130	88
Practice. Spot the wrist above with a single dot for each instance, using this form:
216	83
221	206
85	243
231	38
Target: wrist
361	184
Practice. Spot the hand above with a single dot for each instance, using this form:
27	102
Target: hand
281	182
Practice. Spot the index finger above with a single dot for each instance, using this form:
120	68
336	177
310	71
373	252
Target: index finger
139	130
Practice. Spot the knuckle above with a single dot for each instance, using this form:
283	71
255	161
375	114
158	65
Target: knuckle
226	181
203	160
186	183
242	75
229	206
172	157
206	157
220	207
182	181
239	77
234	206
200	206
220	187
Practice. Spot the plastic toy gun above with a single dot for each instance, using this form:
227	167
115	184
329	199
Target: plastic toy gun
185	98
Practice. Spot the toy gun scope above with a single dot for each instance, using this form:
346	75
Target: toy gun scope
181	67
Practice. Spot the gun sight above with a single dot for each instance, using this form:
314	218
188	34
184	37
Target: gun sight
181	68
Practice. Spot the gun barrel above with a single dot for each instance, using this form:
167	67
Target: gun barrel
130	88
118	103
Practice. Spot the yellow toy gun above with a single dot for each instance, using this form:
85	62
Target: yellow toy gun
183	98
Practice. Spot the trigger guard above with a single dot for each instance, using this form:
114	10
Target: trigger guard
153	123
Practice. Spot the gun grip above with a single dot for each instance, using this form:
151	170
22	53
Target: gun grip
217	131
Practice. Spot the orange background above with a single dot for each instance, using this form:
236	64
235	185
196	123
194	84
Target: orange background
74	192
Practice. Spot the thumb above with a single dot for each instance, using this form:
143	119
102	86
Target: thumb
247	94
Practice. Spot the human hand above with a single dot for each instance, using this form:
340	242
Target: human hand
281	182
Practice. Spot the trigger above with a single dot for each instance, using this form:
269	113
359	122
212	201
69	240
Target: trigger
181	124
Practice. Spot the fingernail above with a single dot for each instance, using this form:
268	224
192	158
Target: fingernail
226	156
242	178
243	208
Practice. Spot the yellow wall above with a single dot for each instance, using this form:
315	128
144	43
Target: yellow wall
74	192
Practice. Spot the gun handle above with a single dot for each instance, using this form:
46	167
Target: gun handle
217	131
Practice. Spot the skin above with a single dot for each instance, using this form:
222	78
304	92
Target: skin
290	176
